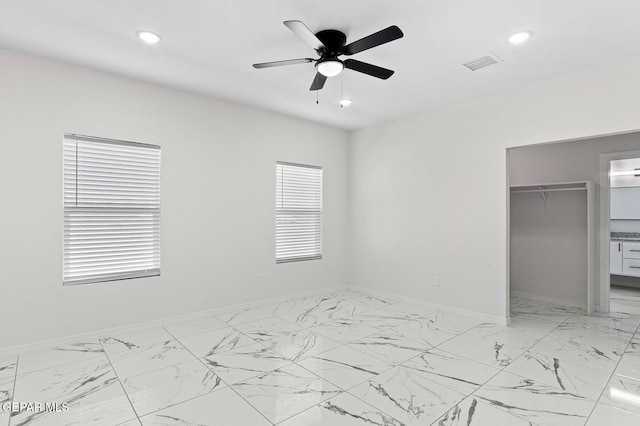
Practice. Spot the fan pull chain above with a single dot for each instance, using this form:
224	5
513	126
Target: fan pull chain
317	97
341	90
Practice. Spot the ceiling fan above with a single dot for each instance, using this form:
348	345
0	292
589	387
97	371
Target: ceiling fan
330	45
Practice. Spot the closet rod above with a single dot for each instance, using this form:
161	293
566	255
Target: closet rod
548	190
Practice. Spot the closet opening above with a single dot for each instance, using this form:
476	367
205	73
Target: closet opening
560	235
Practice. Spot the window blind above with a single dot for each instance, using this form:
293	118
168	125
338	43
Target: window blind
111	210
298	212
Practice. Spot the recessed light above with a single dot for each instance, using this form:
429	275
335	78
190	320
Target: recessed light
520	37
149	37
345	102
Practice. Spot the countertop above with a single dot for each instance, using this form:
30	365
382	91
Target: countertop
625	236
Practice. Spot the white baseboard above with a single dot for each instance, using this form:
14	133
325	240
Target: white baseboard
17	349
485	317
556	300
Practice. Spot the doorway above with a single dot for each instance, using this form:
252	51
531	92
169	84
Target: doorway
574	161
620	232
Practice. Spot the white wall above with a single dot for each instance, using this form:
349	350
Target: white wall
429	190
567	161
625	226
218	177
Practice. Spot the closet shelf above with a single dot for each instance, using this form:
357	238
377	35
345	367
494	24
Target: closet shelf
551	187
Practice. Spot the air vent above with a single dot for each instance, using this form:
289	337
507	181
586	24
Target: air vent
485	61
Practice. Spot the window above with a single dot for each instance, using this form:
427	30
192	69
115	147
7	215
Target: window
111	210
298	212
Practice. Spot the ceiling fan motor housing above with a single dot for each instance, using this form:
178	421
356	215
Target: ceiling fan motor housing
333	40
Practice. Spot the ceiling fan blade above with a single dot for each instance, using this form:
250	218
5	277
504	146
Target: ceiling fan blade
376	39
318	82
281	63
369	69
305	34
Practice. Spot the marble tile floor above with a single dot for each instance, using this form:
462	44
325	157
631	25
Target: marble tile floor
625	299
342	359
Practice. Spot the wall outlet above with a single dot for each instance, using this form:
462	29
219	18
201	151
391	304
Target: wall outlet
260	279
436	281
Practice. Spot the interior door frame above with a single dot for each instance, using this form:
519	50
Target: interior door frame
605	225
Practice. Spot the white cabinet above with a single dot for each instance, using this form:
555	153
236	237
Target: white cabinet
631	259
630	250
631	267
625	203
624	181
625	173
624	258
615	258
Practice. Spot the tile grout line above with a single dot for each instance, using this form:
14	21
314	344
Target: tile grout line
155	369
554	329
280	316
66	396
378	331
337	318
188	399
13	392
314	405
418	355
463	357
501	370
413	357
443	342
295	362
121	384
202	331
340	344
229	386
64	364
613	372
342	390
234	327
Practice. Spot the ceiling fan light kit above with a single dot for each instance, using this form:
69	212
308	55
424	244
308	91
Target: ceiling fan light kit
330	67
330	45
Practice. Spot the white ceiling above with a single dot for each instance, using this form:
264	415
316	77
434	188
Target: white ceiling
208	47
